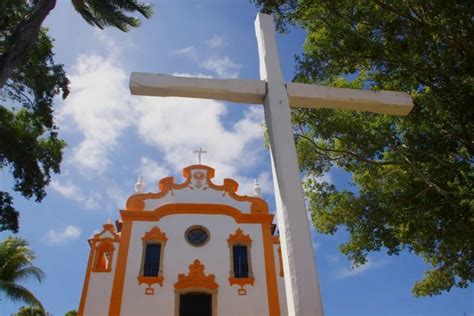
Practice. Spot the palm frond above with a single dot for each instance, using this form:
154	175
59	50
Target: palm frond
18	293
30	272
113	13
16	265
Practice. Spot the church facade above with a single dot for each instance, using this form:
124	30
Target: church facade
193	248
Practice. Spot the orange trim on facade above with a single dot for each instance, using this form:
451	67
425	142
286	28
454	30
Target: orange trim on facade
85	288
196	278
193	208
136	202
106	228
239	238
280	259
150	280
272	288
101	262
276	241
242	281
154	234
128	216
119	278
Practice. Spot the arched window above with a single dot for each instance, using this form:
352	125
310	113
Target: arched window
104	253
240	260
151	269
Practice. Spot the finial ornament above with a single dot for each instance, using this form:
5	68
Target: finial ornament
199	152
139	184
256	188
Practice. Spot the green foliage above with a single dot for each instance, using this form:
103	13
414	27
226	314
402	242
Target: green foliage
29	144
30	311
16	266
414	175
112	13
29	82
71	313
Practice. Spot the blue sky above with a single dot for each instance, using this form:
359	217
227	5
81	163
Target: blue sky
113	137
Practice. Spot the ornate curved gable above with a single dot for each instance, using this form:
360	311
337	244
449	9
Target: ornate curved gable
198	189
196	278
107	233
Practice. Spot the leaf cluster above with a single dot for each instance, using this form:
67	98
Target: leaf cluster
414	175
112	13
29	143
16	266
31	311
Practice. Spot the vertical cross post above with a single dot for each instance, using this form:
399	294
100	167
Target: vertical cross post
301	280
199	152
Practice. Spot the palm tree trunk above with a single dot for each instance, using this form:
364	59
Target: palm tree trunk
23	38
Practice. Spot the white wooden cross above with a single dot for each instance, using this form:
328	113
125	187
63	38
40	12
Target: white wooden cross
199	152
301	280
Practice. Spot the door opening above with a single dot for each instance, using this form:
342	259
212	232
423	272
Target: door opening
195	304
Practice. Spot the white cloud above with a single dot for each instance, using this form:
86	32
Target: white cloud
333	259
224	67
69	233
216	41
117	196
152	172
189	52
99	108
177	126
353	272
72	192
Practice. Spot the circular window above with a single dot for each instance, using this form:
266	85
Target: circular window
197	236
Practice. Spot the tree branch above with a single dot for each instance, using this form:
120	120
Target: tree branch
23	38
358	157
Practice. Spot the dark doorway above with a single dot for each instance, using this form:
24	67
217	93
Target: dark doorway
195	304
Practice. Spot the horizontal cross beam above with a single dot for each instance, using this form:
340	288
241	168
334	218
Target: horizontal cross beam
254	91
232	90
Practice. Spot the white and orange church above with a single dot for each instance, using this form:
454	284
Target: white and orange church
193	248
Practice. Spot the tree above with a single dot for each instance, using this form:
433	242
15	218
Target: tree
71	313
30	311
16	266
27	28
29	81
413	176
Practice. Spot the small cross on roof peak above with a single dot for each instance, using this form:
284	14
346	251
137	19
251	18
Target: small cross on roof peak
199	152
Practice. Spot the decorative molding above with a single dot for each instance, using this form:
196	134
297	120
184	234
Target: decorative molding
196	278
236	239
155	234
150	281
136	202
106	228
195	208
99	253
239	238
242	282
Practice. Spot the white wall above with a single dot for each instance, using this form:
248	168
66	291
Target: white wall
178	255
100	289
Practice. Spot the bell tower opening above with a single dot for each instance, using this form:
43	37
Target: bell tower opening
195	304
